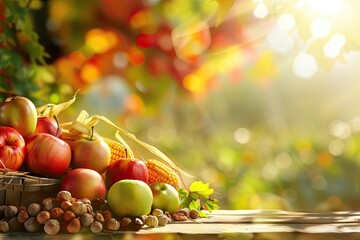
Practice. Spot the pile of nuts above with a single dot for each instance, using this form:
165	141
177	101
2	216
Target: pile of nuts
70	215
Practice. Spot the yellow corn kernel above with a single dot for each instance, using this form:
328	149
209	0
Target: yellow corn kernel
159	172
117	149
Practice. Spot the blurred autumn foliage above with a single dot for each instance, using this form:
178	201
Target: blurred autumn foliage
259	98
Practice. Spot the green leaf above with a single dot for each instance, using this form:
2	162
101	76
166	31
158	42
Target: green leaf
201	188
194	205
198	197
224	7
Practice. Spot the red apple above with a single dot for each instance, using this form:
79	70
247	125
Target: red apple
19	113
47	125
12	148
126	168
47	155
90	153
165	197
84	183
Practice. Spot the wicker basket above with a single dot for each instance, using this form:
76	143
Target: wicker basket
20	188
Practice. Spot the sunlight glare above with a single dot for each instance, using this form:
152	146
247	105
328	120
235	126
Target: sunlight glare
320	27
333	47
279	40
286	22
327	7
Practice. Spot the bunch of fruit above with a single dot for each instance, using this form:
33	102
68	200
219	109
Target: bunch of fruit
89	165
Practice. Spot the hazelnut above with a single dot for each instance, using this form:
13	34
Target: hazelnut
52	227
14	225
138	224
47	204
65	205
85	201
112	224
42	217
78	208
96	227
73	226
157	212
68	215
31	225
107	215
89	208
4	226
194	214
151	221
99	217
125	223
63	196
34	209
56	213
10	211
163	220
22	216
86	219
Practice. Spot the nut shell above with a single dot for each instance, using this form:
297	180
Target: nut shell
73	226
63	196
86	219
4	226
78	208
42	217
31	225
33	209
52	227
96	227
10	211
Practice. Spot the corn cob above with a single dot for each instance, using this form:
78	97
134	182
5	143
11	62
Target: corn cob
117	149
159	172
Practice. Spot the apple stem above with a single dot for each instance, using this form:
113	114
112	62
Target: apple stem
92	133
58	125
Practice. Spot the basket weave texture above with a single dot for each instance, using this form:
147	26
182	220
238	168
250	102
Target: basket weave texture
20	188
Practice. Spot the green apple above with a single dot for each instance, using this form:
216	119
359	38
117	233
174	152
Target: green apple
165	197
130	197
19	113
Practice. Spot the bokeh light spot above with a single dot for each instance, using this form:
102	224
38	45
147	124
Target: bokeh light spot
99	41
333	47
286	22
320	27
120	60
280	40
90	73
283	160
193	83
305	65
242	135
336	147
261	10
340	129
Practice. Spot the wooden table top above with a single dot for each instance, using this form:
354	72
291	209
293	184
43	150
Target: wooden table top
235	224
